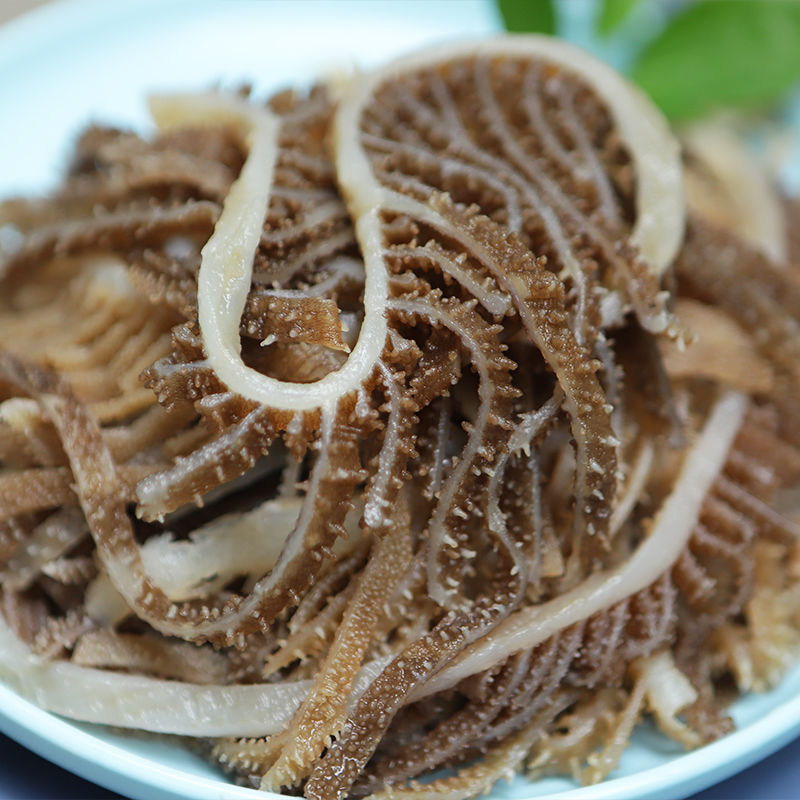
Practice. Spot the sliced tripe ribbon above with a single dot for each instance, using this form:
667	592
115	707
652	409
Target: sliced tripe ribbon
668	536
226	266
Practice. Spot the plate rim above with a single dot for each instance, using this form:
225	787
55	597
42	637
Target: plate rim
64	743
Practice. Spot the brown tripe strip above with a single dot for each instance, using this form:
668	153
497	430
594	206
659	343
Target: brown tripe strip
98	489
114	230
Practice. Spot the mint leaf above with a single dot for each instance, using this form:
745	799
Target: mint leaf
613	14
528	16
721	54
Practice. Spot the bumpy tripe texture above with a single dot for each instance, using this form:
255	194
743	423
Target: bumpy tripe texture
408	425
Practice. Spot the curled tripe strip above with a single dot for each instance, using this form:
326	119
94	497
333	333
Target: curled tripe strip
668	536
659	197
226	267
488	433
320	520
227	258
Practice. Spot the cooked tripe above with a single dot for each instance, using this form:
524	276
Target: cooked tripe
407	424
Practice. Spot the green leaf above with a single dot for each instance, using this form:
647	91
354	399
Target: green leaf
720	54
528	16
613	14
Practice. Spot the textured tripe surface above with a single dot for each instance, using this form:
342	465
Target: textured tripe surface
505	455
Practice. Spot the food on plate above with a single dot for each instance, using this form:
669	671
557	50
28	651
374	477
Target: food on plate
421	421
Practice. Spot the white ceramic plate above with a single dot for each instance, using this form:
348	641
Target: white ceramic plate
82	60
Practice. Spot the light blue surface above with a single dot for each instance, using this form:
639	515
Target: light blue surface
92	59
